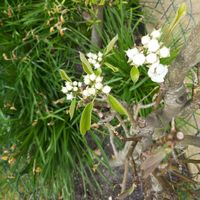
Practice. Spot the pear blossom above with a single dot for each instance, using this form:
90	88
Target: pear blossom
69	87
132	52
98	86
64	90
151	58
106	89
86	93
99	79
145	39
97	65
92	77
164	52
157	72
87	81
69	96
91	91
79	84
75	83
138	59
156	34
75	89
153	45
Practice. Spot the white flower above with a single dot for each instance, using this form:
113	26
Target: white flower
75	83
156	34
157	72
145	39
87	81
99	59
153	45
94	56
98	86
100	54
91	91
97	65
79	84
89	55
106	89
92	77
99	79
64	90
86	93
132	52
151	58
75	89
90	60
164	52
69	87
138	59
69	96
93	61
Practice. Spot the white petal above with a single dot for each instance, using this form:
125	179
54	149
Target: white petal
89	55
75	83
64	90
164	52
132	52
106	89
98	86
69	96
151	58
86	93
97	65
75	89
156	34
99	79
79	84
100	54
92	77
69	87
87	81
153	45
145	39
94	56
138	59
91	91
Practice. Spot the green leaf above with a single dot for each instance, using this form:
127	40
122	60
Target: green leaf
64	76
72	108
135	74
86	65
85	121
111	45
179	14
116	105
114	69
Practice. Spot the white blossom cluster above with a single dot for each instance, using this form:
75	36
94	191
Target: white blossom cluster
95	59
71	89
149	54
91	86
94	85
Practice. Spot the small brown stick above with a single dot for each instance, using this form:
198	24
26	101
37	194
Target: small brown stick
123	185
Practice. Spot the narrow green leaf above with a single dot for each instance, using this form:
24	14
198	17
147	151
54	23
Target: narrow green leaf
86	65
64	76
111	45
179	14
114	69
72	108
85	121
116	105
135	74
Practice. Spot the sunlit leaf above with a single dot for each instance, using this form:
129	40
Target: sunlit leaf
64	76
85	121
72	108
135	74
116	105
111	45
85	64
114	69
